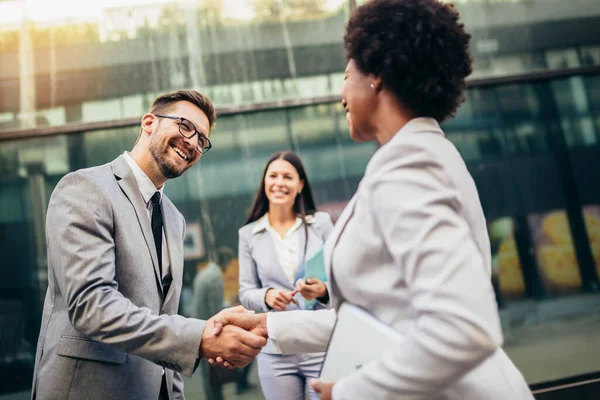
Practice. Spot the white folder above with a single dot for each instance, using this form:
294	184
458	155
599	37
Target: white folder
357	339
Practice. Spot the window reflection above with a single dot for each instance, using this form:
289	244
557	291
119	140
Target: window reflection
507	135
105	61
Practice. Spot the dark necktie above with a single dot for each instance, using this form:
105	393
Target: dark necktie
157	225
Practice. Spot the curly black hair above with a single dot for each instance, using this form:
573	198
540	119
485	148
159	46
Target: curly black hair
418	48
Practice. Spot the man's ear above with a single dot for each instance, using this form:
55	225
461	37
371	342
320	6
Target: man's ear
147	123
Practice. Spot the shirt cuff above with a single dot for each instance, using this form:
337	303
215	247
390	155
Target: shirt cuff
271	331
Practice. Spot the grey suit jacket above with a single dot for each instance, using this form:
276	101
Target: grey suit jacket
107	328
260	270
412	248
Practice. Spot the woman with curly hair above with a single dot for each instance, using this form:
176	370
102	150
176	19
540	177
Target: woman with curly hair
412	246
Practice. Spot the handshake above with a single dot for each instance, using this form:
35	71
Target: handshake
234	337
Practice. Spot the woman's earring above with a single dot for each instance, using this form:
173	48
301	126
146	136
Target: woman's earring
372	86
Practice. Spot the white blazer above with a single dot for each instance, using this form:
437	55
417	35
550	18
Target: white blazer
412	248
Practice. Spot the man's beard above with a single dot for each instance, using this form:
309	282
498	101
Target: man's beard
161	156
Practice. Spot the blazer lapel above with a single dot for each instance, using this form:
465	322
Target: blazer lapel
300	271
330	246
263	240
128	184
302	257
173	238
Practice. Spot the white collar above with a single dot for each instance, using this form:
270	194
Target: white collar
145	185
263	223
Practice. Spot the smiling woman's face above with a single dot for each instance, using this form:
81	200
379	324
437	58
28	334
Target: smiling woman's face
282	183
358	100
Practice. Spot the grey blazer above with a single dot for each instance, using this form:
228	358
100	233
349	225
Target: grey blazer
107	328
412	248
260	270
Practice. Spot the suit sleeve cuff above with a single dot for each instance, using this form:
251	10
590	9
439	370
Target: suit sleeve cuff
254	299
348	389
191	346
337	391
272	331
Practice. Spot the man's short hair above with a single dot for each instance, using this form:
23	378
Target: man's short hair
163	103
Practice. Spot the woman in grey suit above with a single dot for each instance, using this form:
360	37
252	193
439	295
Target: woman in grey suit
412	246
283	230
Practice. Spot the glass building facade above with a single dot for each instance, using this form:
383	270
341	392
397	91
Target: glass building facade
72	90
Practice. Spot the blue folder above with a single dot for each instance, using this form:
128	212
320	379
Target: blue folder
315	268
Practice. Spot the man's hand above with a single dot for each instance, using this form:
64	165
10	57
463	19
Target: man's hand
255	323
238	346
323	389
279	299
313	288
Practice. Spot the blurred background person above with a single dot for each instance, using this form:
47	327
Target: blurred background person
283	229
207	299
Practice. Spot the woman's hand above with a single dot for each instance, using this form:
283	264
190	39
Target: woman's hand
279	299
313	288
323	389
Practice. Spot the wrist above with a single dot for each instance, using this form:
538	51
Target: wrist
263	324
266	299
202	353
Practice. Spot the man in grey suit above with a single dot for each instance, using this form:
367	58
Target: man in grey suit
115	263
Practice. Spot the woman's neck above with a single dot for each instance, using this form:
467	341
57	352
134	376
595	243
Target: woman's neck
281	216
390	118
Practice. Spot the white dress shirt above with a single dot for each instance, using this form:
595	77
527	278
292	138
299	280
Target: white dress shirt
147	189
286	248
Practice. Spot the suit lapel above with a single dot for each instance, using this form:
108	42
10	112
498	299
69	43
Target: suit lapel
128	184
265	241
301	270
173	237
301	242
332	241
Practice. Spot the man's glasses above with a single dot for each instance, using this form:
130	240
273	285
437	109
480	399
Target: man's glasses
188	130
